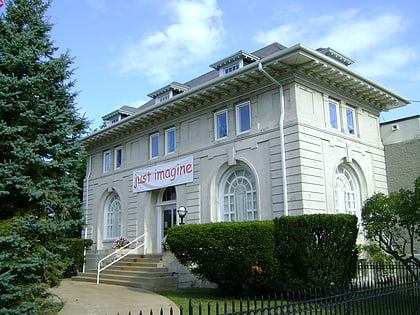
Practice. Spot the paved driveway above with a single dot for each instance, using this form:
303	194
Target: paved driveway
88	298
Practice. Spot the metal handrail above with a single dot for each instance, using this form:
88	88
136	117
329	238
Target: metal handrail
121	257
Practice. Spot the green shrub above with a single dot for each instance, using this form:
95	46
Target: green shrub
232	255
316	251
75	254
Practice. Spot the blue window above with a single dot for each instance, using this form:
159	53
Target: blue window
154	145
170	140
243	117
221	124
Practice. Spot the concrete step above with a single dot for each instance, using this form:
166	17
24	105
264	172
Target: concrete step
135	271
164	283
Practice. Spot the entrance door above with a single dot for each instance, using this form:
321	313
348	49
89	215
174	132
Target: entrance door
169	218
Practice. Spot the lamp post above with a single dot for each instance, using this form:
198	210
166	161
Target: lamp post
182	212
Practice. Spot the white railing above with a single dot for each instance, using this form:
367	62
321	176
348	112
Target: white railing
116	257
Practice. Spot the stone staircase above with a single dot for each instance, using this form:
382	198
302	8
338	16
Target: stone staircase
140	271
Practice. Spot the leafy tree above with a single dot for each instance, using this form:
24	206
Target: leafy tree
393	222
40	155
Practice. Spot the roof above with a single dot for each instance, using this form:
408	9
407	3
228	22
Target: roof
282	63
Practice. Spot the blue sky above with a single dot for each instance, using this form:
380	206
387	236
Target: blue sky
126	49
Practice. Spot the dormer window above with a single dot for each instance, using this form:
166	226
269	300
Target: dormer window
119	114
234	62
167	92
163	98
231	68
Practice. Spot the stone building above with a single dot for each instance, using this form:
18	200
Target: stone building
279	131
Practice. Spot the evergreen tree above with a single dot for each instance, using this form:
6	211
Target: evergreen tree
40	157
39	123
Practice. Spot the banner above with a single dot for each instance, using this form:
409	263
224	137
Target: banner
163	175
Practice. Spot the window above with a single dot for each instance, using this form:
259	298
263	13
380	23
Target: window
334	117
170	140
346	191
221	124
163	98
107	161
238	195
351	120
113	217
243	117
117	158
231	68
154	145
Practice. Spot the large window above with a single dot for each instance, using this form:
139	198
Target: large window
243	117
170	140
221	124
154	145
351	120
334	114
107	161
346	191
113	217
238	196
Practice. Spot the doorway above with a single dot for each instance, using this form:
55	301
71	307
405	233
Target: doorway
166	214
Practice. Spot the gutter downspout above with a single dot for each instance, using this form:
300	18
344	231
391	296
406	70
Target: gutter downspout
281	130
88	174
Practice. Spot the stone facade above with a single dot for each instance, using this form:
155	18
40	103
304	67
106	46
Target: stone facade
286	131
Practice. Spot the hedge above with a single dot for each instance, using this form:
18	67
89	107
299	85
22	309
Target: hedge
316	250
232	255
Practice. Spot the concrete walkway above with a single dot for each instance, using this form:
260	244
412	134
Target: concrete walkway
88	298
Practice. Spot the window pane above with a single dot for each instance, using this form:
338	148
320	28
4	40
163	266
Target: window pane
333	108
238	196
113	217
244	117
350	119
107	161
221	124
154	145
118	158
170	140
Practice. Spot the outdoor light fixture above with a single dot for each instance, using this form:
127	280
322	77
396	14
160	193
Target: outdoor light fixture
182	212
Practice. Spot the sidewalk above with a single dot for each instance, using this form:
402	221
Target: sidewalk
88	298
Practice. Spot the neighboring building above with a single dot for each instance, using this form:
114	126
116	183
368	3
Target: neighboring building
280	131
401	139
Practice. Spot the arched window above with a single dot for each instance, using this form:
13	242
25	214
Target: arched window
346	191
238	195
113	217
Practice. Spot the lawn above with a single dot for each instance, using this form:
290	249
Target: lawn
207	299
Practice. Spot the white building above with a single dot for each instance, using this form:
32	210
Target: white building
280	131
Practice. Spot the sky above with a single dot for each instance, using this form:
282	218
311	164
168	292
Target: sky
124	50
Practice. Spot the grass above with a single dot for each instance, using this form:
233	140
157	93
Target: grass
387	304
201	298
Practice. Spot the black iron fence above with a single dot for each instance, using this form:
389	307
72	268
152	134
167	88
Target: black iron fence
377	290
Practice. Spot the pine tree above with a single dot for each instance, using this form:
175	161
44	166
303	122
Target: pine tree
39	123
40	157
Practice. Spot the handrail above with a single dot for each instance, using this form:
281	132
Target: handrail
120	257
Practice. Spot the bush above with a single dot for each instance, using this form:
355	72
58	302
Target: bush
315	251
75	254
232	255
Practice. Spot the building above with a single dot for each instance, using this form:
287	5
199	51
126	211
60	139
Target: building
280	131
401	139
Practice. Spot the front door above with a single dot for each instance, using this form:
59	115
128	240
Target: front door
169	218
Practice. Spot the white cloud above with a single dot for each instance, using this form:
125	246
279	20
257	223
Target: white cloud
371	40
197	31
